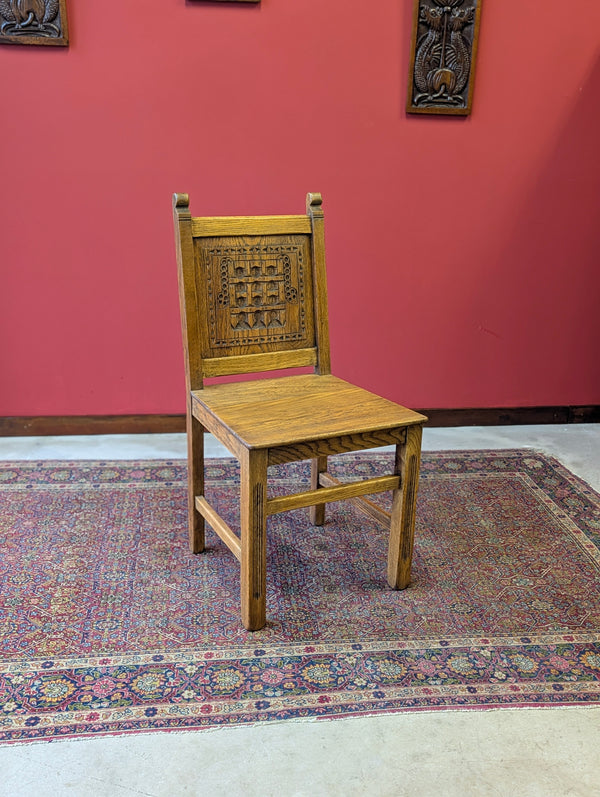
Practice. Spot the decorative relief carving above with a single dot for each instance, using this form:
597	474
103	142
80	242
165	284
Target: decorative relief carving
444	47
33	22
255	294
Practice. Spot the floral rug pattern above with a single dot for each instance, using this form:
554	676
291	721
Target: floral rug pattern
109	625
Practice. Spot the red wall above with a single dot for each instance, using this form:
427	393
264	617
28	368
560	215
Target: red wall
462	254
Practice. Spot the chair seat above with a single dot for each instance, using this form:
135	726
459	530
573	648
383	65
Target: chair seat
270	413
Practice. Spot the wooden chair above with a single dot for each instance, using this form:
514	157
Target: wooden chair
253	299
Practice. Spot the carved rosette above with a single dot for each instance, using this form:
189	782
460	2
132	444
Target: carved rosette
34	22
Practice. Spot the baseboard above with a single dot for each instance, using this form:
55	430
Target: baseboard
90	424
161	424
512	416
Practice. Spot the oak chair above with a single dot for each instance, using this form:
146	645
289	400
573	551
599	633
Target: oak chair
253	299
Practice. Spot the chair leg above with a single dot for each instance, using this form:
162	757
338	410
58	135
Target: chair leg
404	502
317	466
253	477
195	442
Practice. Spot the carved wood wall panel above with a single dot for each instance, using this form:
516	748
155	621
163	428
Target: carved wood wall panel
443	54
34	22
258	294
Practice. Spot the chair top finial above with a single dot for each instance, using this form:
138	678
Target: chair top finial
181	200
313	204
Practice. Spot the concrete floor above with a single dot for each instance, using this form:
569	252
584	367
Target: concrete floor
506	753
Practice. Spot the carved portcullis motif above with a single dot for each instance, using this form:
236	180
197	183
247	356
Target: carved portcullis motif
443	52
34	22
257	296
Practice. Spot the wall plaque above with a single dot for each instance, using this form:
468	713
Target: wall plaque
34	22
443	52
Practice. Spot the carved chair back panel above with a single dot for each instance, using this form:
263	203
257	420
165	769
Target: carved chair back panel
256	294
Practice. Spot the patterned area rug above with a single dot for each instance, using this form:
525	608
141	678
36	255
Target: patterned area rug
108	624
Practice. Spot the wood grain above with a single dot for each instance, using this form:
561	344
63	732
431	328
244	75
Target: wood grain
255	363
282	412
212	425
329	494
212	226
188	302
318	466
404	501
315	213
219	526
253	515
369	508
335	445
254	294
195	446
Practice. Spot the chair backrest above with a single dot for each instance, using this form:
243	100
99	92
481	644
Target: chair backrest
253	292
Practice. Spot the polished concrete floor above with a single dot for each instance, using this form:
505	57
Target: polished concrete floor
506	753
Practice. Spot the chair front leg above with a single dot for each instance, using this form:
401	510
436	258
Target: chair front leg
195	444
404	505
253	477
317	466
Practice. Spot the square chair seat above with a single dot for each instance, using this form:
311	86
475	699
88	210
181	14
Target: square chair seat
269	413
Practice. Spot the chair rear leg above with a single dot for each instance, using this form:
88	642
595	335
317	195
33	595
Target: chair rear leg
404	504
195	442
317	466
253	500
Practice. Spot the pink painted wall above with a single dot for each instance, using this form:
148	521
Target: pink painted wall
462	254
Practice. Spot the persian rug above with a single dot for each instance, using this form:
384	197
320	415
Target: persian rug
108	625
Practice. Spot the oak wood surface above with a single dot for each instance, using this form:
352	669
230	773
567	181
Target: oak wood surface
188	302
277	412
254	294
219	526
309	449
195	446
253	521
339	492
212	424
404	506
211	226
318	466
255	363
315	212
369	508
